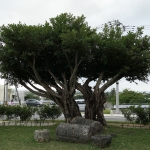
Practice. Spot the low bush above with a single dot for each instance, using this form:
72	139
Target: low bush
2	111
25	113
137	114
47	112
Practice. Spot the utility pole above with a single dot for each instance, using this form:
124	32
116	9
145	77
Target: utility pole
6	91
117	97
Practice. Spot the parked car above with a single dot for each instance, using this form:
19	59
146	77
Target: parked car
33	102
45	102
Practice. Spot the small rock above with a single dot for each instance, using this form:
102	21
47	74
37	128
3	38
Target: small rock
101	140
42	135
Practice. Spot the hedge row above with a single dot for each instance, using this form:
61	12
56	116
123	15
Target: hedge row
25	113
137	114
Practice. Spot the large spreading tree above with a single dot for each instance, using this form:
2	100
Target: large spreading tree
116	56
60	52
47	55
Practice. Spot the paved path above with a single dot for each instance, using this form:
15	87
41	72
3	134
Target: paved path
108	117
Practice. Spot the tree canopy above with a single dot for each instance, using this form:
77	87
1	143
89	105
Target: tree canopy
45	54
117	55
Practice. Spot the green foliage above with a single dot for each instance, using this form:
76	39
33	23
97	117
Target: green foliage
137	114
65	49
55	112
30	95
17	110
2	111
106	111
78	96
129	97
26	113
42	112
9	112
47	112
111	95
142	115
49	46
129	113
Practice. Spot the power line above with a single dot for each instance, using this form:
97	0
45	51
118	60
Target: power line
125	28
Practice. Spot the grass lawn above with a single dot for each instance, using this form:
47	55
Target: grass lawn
22	138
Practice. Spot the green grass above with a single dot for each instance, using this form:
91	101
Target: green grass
22	137
106	111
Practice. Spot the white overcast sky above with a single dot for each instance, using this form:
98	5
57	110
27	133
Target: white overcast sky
97	12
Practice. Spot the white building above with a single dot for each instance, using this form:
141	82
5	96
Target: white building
3	94
8	93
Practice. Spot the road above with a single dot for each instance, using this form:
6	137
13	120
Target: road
108	117
115	117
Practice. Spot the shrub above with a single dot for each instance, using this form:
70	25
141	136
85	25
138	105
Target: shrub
2	111
142	115
138	114
55	112
41	111
17	111
9	111
47	112
129	113
26	113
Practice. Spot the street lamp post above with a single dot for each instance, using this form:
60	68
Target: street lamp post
6	91
117	97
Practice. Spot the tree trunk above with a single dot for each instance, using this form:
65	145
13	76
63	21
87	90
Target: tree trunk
69	107
90	107
95	106
100	100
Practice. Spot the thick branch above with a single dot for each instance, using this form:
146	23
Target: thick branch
72	81
33	91
110	82
56	80
87	82
80	87
75	68
99	80
65	81
40	90
83	88
47	88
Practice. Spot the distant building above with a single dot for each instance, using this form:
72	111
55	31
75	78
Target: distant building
12	94
19	95
2	94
